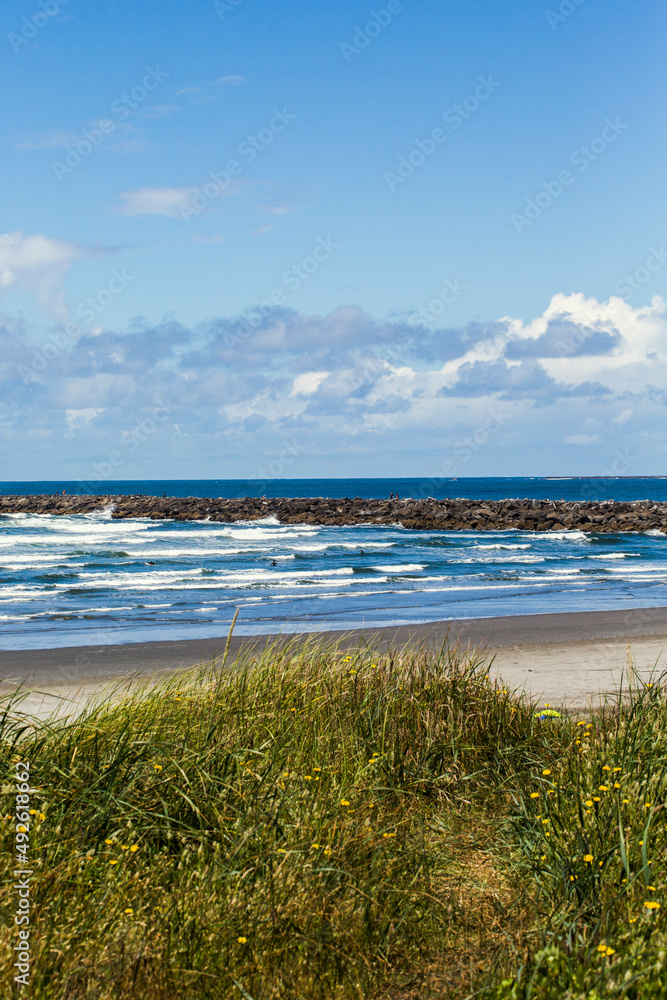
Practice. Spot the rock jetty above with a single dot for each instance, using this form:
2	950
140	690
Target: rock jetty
423	514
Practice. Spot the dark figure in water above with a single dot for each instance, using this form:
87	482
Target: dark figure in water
274	563
361	552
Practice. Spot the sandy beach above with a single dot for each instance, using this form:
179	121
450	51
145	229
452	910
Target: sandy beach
567	659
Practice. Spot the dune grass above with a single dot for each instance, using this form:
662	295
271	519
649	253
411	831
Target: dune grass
315	824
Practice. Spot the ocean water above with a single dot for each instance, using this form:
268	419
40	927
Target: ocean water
80	580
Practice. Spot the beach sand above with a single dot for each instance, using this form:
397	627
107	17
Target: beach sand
569	659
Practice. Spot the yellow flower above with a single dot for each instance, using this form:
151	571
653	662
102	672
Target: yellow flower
651	905
606	767
651	888
308	777
596	798
534	795
344	802
316	846
603	788
546	771
581	723
113	861
647	805
327	850
158	767
242	940
626	802
129	911
281	850
135	847
617	769
602	947
317	769
388	834
108	842
589	803
610	951
588	858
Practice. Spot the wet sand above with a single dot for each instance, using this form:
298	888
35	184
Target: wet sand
566	659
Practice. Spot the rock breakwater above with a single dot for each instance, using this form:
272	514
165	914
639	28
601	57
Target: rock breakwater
423	514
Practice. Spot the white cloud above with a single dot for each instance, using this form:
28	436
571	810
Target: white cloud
155	201
38	265
77	419
307	383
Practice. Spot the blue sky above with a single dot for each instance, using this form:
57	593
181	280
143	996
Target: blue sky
409	191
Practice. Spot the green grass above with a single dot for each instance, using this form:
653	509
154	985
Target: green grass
320	825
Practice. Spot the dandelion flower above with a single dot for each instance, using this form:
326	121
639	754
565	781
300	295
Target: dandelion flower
344	802
113	861
110	842
129	910
588	858
604	788
651	905
315	846
617	769
610	951
135	847
589	803
242	940
534	795
546	771
596	798
388	834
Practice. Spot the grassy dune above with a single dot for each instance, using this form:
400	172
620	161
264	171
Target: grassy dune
319	825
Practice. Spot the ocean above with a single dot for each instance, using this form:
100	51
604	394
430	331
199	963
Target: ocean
89	580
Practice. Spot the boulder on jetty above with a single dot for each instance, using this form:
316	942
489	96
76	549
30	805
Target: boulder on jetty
423	514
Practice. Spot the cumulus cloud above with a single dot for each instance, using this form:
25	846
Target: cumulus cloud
38	265
348	384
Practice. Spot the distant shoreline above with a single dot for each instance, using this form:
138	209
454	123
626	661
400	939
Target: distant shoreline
424	514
